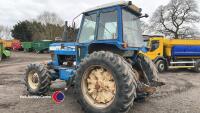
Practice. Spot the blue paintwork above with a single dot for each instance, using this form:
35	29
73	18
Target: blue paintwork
119	41
80	50
186	51
67	49
64	43
144	49
65	74
64	52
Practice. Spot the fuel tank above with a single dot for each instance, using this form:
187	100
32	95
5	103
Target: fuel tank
185	51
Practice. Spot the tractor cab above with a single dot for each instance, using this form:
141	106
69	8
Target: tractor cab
114	26
111	27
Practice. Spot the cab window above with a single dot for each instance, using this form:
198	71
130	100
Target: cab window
154	45
88	29
132	34
107	26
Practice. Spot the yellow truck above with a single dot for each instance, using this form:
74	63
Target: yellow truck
174	53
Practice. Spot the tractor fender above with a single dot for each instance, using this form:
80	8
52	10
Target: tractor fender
104	47
147	70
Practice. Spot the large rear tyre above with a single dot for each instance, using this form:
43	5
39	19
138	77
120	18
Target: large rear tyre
197	66
37	79
161	66
105	84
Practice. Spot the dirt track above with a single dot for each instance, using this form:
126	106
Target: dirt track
179	95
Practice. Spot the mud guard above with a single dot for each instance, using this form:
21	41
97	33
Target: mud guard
147	71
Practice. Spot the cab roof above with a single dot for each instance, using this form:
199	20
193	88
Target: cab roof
119	3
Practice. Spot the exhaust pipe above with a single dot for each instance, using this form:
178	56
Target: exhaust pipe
65	33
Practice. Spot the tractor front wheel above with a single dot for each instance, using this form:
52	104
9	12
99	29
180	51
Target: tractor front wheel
37	79
105	84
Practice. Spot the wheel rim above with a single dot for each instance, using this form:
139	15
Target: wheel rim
33	80
162	66
98	87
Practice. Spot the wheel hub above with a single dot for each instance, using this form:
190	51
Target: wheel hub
33	80
100	87
162	66
97	86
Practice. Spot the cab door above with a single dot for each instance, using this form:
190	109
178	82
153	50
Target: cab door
156	49
87	34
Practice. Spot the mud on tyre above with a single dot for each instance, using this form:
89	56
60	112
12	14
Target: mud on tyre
146	69
37	79
97	93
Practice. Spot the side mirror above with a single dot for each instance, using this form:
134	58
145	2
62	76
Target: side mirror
146	16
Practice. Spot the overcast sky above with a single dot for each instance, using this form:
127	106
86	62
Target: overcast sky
12	11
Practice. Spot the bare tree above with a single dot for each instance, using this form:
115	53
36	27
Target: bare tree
145	27
53	25
176	19
50	18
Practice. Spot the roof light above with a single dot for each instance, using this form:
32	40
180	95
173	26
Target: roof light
129	2
135	8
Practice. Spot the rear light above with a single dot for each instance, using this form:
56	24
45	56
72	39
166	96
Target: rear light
125	45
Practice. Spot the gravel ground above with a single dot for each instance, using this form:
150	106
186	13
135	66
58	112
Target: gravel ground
179	95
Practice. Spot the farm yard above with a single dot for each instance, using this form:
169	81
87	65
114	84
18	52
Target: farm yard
179	95
103	56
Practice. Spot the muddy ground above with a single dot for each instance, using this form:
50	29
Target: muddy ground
181	94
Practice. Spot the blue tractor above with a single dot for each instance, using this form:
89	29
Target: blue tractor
105	64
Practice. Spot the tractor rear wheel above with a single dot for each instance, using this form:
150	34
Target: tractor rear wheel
37	79
105	84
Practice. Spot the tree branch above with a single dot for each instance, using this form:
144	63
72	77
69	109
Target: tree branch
162	20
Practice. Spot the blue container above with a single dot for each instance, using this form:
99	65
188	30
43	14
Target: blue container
186	51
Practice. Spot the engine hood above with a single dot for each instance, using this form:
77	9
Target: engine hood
63	46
